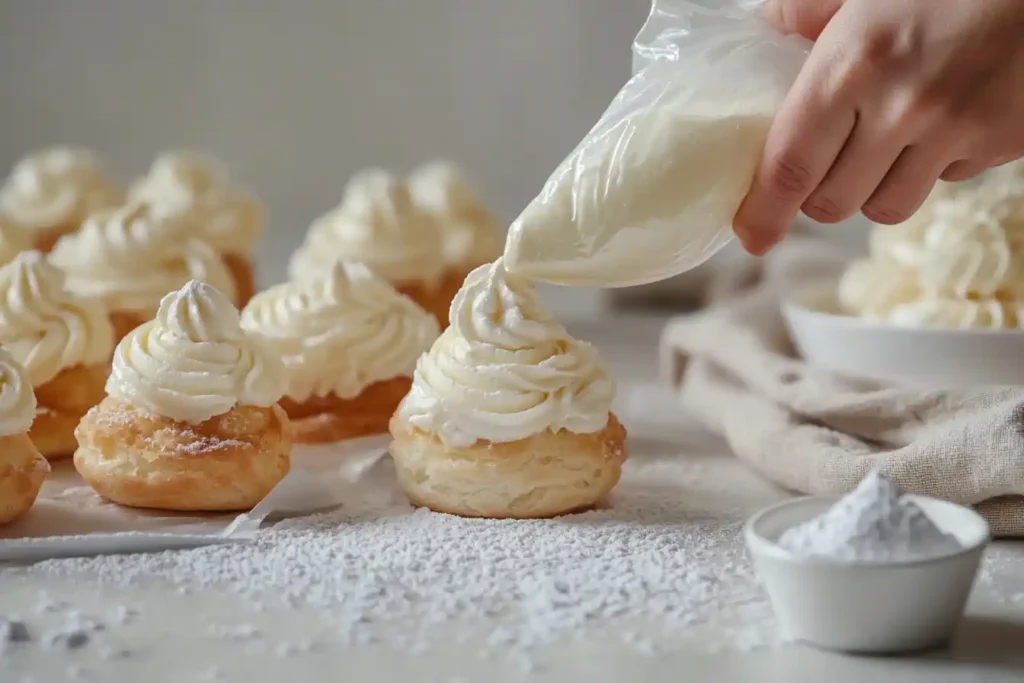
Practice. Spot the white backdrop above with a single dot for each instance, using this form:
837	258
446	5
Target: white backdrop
297	94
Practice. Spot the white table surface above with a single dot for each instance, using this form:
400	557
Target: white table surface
171	641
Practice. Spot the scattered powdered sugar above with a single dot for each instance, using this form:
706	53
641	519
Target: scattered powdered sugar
13	631
877	522
667	557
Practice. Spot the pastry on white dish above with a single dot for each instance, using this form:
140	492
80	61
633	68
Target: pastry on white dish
22	467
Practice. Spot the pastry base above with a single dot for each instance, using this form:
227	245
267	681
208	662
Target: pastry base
329	418
244	276
545	475
124	322
22	471
227	463
436	298
61	403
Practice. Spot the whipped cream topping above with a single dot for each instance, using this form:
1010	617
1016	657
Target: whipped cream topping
469	232
17	400
959	313
505	369
224	215
46	327
13	241
132	256
194	361
340	331
959	262
56	188
378	224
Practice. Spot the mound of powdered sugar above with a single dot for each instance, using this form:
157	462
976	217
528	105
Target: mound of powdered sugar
667	554
876	522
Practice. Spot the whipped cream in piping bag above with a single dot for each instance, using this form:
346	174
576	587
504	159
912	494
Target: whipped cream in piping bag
56	187
222	214
132	256
505	369
17	399
194	361
469	232
340	331
46	327
378	224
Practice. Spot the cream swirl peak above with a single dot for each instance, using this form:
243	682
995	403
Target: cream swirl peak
132	256
469	231
17	400
194	361
378	224
224	215
340	331
56	187
45	327
506	369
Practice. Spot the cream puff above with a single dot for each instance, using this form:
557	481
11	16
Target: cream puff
64	342
508	416
470	234
223	214
349	342
378	224
191	420
22	468
50	192
130	257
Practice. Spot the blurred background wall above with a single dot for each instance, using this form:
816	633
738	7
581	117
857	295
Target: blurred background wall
296	95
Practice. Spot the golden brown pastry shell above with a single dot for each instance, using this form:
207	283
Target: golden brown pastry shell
545	475
61	403
324	419
242	272
229	462
22	472
435	297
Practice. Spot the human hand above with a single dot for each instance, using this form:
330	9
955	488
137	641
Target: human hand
894	95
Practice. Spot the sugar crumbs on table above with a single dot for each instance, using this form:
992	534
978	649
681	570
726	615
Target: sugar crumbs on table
669	556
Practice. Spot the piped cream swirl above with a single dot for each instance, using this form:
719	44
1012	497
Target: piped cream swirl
194	361
132	256
13	241
17	400
505	369
56	188
378	224
46	327
340	331
224	215
469	232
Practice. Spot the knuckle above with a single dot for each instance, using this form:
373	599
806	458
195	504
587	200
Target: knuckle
787	176
825	210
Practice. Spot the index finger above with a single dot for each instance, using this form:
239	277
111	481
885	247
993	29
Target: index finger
805	139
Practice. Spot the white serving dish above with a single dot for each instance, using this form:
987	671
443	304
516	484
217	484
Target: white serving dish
929	357
864	607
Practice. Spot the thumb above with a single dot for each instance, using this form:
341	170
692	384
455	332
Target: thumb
807	18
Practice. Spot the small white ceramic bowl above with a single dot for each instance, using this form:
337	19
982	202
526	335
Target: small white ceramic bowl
927	357
867	607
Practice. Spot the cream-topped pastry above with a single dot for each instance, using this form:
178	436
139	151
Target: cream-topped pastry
224	215
378	224
508	415
63	341
22	468
51	191
130	257
191	420
193	361
349	342
470	233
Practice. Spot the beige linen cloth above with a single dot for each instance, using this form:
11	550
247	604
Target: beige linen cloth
817	432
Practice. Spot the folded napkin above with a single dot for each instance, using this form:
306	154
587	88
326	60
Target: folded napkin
818	432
